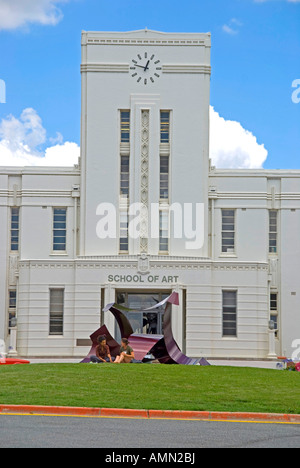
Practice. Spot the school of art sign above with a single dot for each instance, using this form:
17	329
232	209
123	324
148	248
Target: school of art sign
150	279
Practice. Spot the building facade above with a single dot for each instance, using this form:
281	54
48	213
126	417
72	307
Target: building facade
144	213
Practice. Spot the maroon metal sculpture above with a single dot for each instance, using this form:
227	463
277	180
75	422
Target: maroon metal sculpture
162	347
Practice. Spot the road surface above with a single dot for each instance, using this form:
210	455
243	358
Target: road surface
19	431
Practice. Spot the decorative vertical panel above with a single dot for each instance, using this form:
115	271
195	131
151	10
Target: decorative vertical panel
13	270
144	181
273	271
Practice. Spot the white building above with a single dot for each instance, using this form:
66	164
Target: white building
66	248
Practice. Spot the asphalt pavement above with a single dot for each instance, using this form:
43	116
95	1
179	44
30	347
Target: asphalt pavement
27	431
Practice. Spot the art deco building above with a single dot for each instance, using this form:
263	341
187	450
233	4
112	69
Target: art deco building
144	214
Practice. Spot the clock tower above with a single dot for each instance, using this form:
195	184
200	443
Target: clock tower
145	143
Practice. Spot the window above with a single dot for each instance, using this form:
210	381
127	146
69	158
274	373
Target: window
164	178
165	127
274	310
164	191
163	231
124	180
228	231
56	322
59	229
147	323
124	188
14	229
273	232
125	126
229	313
12	310
123	231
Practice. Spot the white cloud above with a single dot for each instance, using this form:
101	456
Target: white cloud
232	27
27	131
233	147
227	29
19	13
21	140
58	139
62	155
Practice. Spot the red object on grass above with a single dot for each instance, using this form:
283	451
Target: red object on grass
12	361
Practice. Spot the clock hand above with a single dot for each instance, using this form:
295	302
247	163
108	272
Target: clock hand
147	66
142	66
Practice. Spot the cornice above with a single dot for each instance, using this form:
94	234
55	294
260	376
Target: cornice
145	37
265	173
39	170
155	263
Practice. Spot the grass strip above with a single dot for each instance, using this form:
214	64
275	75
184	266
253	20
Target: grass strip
150	386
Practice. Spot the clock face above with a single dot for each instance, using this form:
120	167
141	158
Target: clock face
145	68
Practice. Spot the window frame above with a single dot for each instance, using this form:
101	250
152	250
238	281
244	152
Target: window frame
225	232
12	305
274	313
123	214
224	312
164	241
54	229
55	313
273	250
164	178
165	127
124	187
15	230
125	126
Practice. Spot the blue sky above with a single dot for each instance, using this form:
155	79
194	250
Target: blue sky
255	60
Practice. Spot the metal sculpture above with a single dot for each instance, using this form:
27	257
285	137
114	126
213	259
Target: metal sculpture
163	348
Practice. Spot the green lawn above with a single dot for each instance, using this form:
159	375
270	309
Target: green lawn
152	386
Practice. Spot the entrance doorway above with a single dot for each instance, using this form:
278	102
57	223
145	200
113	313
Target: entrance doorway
148	323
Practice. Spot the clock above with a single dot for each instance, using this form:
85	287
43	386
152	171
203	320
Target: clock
145	68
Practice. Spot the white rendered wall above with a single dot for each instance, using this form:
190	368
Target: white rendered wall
3	260
42	192
289	265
